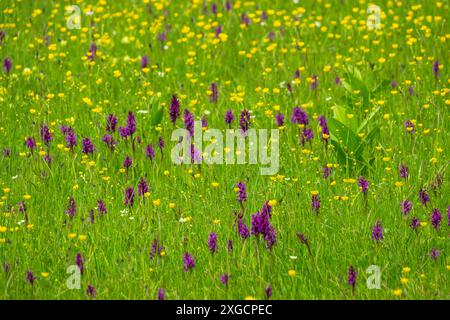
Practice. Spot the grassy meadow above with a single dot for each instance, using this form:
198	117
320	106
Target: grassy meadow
360	95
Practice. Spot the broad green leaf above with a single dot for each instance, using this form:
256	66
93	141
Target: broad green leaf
374	134
340	114
157	116
343	135
367	120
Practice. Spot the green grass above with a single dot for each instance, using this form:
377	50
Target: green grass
49	82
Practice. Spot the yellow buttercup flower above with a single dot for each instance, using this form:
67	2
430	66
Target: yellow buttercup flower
292	273
404	280
397	292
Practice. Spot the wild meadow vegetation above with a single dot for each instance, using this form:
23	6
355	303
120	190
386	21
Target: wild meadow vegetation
359	92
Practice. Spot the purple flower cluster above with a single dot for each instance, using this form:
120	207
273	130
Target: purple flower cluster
403	171
377	231
111	123
87	146
30	143
188	119
30	277
212	242
71	208
307	135
241	192
229	117
314	83
448	216
224	278
323	123
415	223
299	116
127	163
436	218
71	138
409	126
92	51
130	128
91	292
150	152
144	61
261	225
315	203
423	196
7	65
109	141
161	294
327	171
79	261
243	229
244	120
363	184
142	187
436	68
279	117
156	249
188	262
406	206
129	196
46	135
214	96
351	277
101	207
174	110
